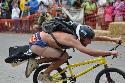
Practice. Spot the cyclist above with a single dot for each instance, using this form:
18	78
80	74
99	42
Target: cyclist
45	45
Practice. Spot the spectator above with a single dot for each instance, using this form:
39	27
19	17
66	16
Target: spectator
62	4
22	5
33	4
100	13
43	6
0	11
25	11
118	13
5	8
24	15
124	12
9	9
77	4
57	2
13	2
69	3
90	11
54	8
15	17
102	2
15	11
108	14
18	2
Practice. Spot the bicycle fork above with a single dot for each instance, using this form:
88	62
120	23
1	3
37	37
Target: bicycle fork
109	79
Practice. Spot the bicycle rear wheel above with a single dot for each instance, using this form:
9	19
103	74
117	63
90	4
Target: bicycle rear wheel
42	69
110	75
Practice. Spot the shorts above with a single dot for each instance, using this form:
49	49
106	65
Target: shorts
38	41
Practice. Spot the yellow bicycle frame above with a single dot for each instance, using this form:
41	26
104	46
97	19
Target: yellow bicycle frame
100	60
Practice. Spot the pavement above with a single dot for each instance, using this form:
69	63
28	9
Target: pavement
9	74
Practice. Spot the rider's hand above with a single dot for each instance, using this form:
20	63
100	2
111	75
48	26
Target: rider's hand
114	53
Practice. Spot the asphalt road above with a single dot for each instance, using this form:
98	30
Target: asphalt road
9	74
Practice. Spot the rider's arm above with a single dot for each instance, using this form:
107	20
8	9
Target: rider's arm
92	52
106	38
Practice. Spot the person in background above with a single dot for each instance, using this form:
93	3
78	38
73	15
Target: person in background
90	12
108	14
118	11
0	9
43	8
22	5
25	11
69	4
100	14
124	12
77	4
57	2
5	8
15	17
54	8
33	5
24	17
9	11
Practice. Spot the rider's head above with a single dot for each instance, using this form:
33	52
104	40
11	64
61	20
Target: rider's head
86	34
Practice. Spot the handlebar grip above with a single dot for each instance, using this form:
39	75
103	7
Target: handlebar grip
114	57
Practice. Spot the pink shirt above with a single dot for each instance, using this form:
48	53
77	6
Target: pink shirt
108	13
118	7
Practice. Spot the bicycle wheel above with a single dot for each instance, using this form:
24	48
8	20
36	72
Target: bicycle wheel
110	75
42	69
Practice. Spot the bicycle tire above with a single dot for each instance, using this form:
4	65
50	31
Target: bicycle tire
109	70
42	67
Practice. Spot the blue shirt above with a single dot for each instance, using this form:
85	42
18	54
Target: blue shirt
33	6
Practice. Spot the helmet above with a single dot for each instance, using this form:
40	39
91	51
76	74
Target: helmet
86	31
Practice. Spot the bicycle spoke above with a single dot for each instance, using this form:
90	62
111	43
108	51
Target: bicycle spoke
109	79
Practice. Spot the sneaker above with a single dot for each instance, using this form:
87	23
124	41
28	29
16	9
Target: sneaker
45	78
31	66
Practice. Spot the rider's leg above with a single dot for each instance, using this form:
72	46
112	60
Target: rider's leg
56	63
50	53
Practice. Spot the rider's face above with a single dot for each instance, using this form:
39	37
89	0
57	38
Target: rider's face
86	41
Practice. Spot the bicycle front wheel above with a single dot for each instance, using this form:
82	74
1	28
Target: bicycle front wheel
42	68
110	75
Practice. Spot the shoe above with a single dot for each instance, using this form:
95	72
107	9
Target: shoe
31	66
45	78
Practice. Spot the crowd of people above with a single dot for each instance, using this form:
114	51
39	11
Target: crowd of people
96	12
26	7
18	10
103	12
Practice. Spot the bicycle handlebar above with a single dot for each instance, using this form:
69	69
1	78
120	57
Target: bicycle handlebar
114	48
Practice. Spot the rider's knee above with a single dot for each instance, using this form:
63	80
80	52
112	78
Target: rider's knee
65	56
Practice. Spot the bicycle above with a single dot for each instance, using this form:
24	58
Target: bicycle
60	76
